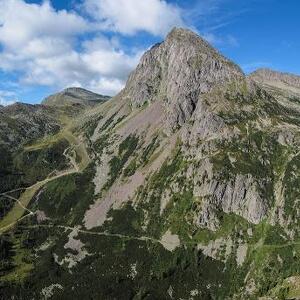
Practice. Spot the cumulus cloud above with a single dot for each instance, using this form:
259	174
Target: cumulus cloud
44	46
22	22
130	16
85	68
101	69
106	86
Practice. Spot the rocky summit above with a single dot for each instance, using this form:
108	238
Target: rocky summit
183	186
177	72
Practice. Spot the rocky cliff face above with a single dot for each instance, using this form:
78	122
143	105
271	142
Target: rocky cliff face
177	72
183	186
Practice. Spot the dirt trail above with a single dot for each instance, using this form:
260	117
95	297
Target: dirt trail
16	213
170	244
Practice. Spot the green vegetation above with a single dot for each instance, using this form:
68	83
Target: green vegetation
295	99
259	154
149	150
180	214
82	157
150	195
108	122
229	225
16	257
291	183
6	205
38	163
66	199
89	127
117	163
25	167
143	159
131	168
126	257
101	144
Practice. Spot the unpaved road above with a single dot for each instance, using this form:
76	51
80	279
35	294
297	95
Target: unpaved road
16	214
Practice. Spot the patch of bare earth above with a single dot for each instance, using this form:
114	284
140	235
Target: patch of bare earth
170	241
149	119
76	245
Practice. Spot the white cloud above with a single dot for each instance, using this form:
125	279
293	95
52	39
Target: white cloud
105	66
22	22
7	98
42	44
109	61
130	16
106	86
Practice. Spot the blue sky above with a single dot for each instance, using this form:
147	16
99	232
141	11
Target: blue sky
46	46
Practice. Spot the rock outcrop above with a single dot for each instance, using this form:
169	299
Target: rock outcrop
178	71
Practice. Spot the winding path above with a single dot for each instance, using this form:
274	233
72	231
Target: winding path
16	214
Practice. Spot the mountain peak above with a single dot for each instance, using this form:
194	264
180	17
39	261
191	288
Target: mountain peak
186	35
178	71
74	95
75	89
178	32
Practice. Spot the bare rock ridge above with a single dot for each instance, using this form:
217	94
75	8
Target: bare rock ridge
178	71
271	76
74	95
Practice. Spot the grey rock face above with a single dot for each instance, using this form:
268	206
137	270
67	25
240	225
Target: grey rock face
177	72
239	195
206	125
